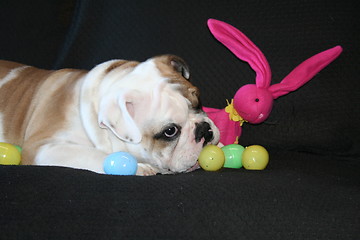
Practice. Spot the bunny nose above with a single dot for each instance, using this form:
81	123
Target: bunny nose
203	130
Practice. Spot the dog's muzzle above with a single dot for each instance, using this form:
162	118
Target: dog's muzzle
203	130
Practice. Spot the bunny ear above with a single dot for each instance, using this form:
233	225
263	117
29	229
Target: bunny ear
305	71
243	48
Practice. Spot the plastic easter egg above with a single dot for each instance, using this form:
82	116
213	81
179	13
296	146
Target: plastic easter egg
233	155
255	157
211	158
120	163
9	154
18	148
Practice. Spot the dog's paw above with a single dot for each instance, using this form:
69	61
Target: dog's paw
146	170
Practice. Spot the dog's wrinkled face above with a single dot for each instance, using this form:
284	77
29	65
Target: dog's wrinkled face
156	111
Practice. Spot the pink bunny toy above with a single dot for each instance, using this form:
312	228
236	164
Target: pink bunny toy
253	102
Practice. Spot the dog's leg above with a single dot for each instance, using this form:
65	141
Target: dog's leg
145	169
77	156
66	155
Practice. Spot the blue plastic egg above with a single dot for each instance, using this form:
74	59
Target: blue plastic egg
120	163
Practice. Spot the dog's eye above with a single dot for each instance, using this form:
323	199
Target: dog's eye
171	132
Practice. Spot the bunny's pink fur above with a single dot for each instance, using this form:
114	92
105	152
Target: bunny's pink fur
253	102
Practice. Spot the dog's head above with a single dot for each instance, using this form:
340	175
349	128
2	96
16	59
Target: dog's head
154	109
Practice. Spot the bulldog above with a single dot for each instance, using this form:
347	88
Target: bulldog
75	118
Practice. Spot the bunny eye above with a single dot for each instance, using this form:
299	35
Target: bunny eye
257	100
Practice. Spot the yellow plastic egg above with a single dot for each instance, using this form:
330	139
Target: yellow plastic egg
9	154
211	158
255	157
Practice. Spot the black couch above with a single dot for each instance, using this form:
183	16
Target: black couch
311	187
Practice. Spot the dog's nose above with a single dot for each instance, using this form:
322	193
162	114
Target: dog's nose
203	130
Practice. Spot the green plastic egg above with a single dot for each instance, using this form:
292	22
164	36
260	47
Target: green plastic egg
233	155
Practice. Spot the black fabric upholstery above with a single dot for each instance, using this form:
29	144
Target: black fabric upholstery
290	200
310	190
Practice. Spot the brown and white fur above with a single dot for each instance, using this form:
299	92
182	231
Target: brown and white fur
75	118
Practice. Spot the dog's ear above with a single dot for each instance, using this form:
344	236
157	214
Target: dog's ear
116	112
176	63
180	66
